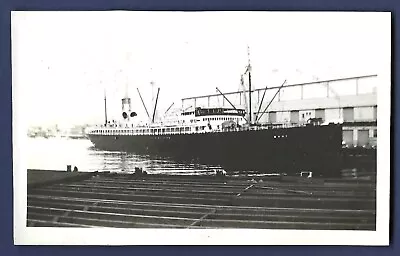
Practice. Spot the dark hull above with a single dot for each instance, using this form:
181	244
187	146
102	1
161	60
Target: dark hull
284	150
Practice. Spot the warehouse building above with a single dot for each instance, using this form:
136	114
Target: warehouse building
351	100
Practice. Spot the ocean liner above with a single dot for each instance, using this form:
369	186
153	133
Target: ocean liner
226	137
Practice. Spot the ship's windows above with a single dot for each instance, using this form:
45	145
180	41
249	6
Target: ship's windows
375	133
187	128
168	129
197	128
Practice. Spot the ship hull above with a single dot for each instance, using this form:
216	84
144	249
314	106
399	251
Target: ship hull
283	150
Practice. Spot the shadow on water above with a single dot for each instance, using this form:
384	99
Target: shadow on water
352	165
55	154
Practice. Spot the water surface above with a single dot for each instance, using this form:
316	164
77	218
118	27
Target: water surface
57	153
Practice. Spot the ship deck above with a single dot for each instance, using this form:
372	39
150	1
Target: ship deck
98	199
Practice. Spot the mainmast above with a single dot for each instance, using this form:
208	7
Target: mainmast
248	71
105	107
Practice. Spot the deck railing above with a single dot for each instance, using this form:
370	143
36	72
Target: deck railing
118	131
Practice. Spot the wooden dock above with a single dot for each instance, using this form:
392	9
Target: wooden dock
156	201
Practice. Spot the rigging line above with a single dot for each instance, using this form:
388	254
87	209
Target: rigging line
272	100
144	105
229	101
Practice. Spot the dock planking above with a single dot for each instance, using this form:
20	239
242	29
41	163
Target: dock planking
160	201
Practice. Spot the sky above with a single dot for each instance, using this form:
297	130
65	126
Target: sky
64	62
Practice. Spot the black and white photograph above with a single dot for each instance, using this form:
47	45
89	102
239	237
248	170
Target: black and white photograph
133	127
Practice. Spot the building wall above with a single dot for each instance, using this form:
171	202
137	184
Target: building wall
352	100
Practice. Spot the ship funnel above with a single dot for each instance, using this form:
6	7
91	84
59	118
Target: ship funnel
126	107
